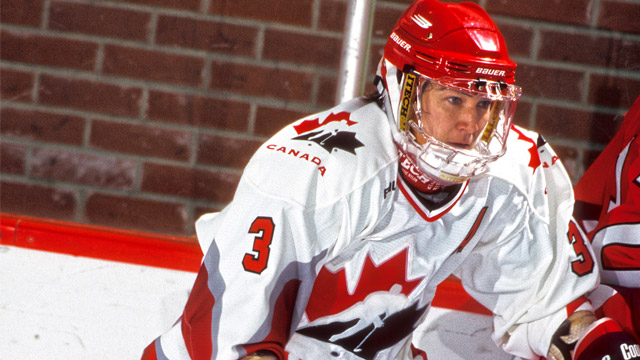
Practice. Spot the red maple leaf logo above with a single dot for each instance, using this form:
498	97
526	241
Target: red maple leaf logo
313	124
534	161
330	294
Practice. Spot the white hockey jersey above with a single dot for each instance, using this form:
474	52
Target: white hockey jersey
326	253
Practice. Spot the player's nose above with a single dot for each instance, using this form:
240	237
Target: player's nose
468	120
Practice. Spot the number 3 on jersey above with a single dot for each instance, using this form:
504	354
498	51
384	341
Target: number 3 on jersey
577	240
256	262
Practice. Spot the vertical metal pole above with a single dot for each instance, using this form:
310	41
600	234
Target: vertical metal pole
353	64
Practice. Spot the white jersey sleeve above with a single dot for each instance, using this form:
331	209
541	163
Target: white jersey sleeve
534	268
262	249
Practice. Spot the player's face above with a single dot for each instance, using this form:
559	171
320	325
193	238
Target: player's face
453	117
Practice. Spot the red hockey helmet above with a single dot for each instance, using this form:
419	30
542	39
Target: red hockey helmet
455	48
459	41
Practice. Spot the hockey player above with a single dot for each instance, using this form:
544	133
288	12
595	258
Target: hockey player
608	206
344	222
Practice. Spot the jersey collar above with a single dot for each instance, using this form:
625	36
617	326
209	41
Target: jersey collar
421	209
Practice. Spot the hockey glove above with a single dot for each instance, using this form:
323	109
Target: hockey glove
566	337
605	340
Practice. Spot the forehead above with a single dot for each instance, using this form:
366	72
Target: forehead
439	88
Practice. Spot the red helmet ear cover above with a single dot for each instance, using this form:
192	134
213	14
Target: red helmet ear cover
454	40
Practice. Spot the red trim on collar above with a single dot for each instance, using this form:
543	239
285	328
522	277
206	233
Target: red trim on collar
419	208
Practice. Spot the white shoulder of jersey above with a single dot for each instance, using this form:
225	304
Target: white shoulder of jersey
527	153
532	167
323	157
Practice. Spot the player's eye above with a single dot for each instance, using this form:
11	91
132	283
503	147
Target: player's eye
454	100
484	104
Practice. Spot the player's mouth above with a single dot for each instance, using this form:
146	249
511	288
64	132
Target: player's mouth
460	145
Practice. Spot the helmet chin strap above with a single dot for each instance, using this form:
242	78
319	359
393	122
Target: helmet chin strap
415	177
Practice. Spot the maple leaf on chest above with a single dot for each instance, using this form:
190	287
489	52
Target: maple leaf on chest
331	295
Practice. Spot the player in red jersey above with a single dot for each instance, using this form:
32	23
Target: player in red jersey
608	207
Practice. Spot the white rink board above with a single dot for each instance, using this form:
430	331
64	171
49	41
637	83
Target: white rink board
55	306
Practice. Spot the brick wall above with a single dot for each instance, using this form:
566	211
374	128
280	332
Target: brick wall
142	113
